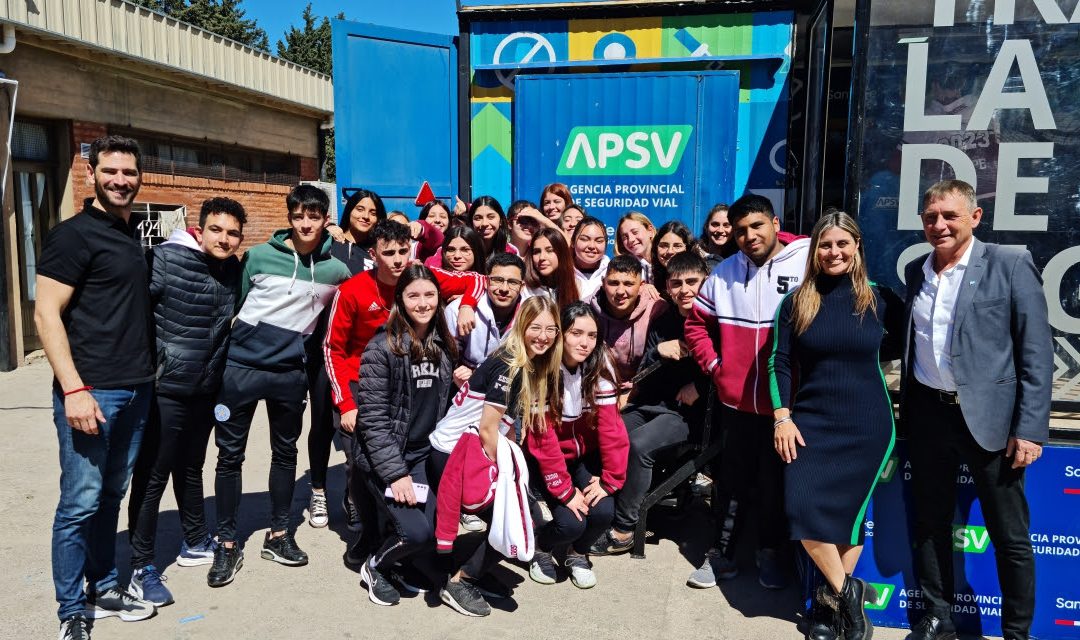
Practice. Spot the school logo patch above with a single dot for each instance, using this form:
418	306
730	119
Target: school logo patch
221	413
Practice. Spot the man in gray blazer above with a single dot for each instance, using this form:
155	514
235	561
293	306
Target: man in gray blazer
976	390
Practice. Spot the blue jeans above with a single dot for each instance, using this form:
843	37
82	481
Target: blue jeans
94	475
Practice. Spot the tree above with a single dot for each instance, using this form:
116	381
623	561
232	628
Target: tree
223	17
168	7
310	46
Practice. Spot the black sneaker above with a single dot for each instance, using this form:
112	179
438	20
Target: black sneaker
352	516
607	545
772	572
355	555
116	602
227	561
490	587
283	550
75	628
464	598
411	579
380	590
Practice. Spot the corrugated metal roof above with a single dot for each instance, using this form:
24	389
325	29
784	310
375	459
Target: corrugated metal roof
125	29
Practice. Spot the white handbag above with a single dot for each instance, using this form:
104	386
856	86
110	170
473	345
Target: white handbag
511	531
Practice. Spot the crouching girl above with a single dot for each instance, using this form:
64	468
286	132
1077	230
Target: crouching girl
405	374
516	383
581	456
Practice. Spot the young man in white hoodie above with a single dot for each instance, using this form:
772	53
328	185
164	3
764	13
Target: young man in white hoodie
729	333
194	280
495	313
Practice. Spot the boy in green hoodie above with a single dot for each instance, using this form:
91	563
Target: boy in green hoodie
285	285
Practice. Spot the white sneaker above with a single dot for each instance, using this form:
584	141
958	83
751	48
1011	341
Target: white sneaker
542	568
470	522
581	574
318	516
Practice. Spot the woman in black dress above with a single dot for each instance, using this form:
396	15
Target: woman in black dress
834	420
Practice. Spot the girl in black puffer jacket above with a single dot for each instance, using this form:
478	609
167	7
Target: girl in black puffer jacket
404	376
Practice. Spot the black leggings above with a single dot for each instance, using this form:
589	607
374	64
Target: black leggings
324	419
411	530
241	390
174	443
565	528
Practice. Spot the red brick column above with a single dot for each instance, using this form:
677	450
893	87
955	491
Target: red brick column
82	133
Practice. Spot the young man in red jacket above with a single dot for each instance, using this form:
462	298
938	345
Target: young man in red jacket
361	306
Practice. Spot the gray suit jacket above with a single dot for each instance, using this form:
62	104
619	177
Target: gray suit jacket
1002	354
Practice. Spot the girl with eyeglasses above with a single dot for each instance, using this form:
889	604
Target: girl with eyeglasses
581	456
516	385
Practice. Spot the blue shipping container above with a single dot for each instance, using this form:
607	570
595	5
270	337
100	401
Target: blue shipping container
660	143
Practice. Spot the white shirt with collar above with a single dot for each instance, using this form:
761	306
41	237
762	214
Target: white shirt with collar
932	314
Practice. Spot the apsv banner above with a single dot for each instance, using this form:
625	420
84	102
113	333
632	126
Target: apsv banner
1053	491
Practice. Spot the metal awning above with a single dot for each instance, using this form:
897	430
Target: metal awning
624	62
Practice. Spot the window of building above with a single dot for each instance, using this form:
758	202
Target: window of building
31	141
183	157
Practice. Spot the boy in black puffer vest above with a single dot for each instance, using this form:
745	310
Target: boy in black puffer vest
194	280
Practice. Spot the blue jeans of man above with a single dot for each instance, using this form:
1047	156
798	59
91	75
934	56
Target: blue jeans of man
94	475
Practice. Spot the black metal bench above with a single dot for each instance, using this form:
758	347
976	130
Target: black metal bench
689	459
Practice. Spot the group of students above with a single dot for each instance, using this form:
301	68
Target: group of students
425	343
500	371
431	345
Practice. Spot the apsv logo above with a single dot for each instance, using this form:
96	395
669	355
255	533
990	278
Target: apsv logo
628	150
884	594
970	539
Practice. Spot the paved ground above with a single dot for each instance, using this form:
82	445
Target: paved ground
634	598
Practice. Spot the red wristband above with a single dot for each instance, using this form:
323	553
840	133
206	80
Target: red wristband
79	390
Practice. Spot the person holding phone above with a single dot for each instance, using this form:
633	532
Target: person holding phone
405	374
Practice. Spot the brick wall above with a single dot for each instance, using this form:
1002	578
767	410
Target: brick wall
264	203
309	169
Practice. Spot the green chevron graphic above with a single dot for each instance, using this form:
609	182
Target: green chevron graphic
490	128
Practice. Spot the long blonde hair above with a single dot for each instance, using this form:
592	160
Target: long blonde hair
806	301
539	375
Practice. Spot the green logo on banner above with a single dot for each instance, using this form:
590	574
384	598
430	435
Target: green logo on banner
629	150
970	539
889	470
884	594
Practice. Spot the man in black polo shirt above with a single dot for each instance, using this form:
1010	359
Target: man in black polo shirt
93	316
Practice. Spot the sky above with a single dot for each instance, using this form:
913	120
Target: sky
276	16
